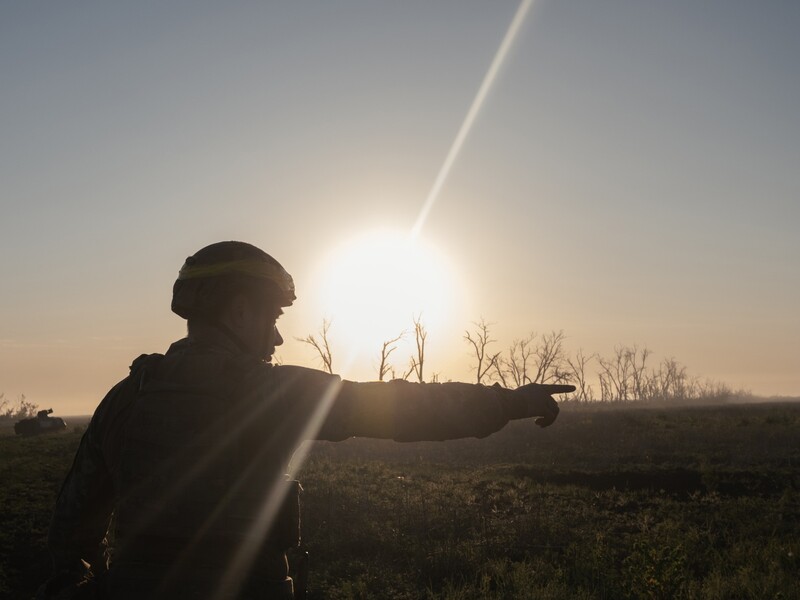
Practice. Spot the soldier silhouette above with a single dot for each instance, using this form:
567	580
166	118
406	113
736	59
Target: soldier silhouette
178	489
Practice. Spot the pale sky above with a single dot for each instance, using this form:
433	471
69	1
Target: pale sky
633	176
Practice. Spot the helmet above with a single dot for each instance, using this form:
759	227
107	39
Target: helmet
217	272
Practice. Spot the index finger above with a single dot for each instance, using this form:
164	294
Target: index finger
552	388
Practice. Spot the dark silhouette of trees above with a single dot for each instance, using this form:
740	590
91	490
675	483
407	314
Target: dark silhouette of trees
533	359
417	363
577	376
624	376
512	371
480	339
388	347
321	345
550	359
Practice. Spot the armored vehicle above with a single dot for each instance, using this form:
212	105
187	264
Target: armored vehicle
41	423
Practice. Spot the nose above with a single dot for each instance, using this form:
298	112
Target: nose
278	338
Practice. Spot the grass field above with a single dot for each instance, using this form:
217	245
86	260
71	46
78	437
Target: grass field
607	503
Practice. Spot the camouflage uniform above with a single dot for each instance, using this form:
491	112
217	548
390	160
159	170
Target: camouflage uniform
188	451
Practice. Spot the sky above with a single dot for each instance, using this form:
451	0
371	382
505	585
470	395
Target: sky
631	177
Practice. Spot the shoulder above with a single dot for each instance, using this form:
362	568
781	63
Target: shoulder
143	360
119	396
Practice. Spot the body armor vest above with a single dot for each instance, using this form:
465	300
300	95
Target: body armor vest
198	478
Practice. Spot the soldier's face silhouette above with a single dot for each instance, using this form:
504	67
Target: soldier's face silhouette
254	322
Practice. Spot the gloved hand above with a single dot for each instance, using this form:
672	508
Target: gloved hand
76	583
63	585
536	400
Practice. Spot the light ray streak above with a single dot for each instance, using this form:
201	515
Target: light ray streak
241	562
223	438
148	515
247	552
472	113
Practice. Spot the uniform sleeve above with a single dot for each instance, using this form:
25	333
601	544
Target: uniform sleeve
85	503
400	410
412	412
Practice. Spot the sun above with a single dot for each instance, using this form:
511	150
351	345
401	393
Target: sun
373	285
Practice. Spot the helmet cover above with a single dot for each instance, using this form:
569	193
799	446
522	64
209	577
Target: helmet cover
215	273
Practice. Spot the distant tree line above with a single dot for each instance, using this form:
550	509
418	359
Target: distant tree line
625	376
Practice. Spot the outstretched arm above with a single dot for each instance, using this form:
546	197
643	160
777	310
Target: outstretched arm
407	412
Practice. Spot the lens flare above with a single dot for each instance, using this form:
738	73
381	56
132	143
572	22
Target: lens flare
472	113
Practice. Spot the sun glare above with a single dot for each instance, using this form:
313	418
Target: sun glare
373	285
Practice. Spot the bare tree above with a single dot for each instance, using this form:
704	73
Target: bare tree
480	339
577	368
512	371
321	346
549	359
412	366
606	386
670	381
389	346
529	361
640	378
716	392
417	363
615	375
624	376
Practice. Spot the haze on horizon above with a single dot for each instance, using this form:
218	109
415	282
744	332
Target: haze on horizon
631	177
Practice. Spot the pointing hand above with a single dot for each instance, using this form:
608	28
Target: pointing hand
536	400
